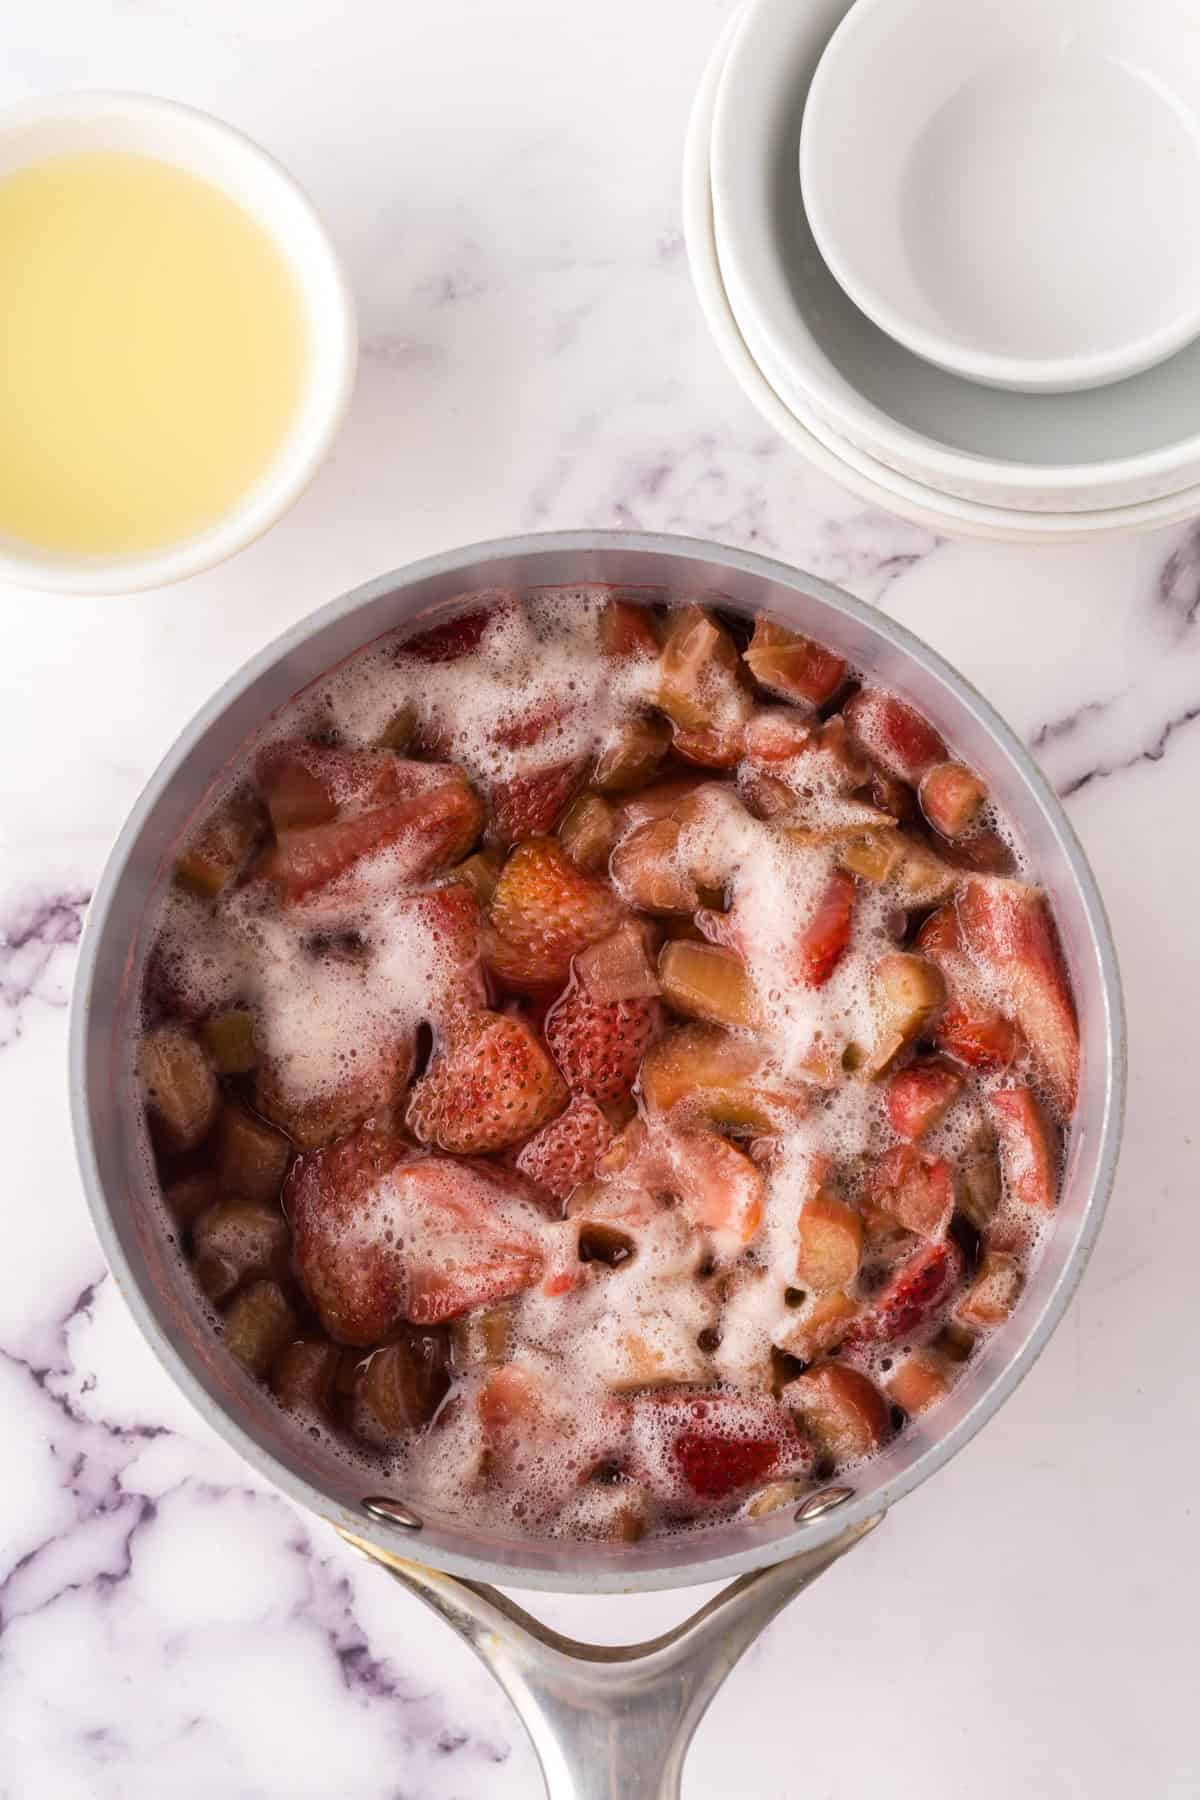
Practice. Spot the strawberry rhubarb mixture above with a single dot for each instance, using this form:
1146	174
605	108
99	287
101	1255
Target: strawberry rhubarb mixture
606	1063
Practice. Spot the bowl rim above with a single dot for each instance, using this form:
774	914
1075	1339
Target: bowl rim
843	461
306	444
819	182
528	1568
765	31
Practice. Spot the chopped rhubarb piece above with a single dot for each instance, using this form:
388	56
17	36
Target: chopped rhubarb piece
921	1380
524	806
951	798
893	734
984	852
916	1292
630	756
304	1375
843	1411
563	1153
627	629
1028	1153
1007	929
922	878
229	1040
664	1354
721	1078
711	1446
825	939
482	1339
380	1236
775	735
544	911
710	746
822	1324
793	666
830	1246
403	1384
705	982
618	967
874	855
920	1096
222	847
979	1184
295	793
602	1243
589	831
994	1291
490	1083
235	1241
252	1157
648	869
698	687
420	834
606	1513
890	795
187	1198
909	992
915	1189
774	1497
258	1326
661	801
599	1045
480	872
179	1085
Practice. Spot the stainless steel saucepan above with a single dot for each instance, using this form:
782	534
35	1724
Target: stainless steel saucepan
605	1722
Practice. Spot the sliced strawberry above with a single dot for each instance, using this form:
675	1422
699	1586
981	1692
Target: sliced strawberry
919	1097
544	911
1028	1154
939	936
822	944
915	1190
529	805
909	1302
627	630
524	726
894	734
564	1152
719	1188
793	666
489	1085
599	1045
380	1235
447	642
421	834
1008	931
775	734
710	1446
452	926
978	1036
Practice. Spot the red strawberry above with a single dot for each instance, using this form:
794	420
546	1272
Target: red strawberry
822	944
520	728
895	735
564	1152
712	1445
978	1036
421	834
1009	933
489	1085
543	911
380	1235
919	1097
918	1288
525	806
447	642
599	1045
375	1083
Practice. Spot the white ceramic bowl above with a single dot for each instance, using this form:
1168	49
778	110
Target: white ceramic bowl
1004	188
1120	445
64	123
835	457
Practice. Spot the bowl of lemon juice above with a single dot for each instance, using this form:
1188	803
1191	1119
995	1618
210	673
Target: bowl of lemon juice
177	342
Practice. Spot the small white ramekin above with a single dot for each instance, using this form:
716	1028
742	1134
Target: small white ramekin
61	124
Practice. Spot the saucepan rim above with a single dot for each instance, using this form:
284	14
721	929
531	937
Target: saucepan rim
511	1568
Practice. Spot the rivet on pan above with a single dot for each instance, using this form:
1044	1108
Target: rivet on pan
817	1505
392	1512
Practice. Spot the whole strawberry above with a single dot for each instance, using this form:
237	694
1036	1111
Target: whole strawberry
490	1084
564	1152
599	1045
544	911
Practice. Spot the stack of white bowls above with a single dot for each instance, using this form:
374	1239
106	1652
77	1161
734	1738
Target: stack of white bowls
950	250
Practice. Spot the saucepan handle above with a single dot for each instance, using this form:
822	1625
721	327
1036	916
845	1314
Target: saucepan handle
613	1723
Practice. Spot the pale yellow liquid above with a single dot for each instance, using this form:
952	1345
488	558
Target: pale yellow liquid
153	353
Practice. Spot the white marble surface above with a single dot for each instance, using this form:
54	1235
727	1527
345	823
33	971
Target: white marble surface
503	181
